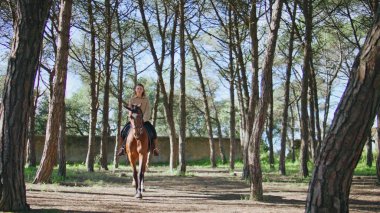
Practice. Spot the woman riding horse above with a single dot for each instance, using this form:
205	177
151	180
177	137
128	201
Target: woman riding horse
139	98
137	147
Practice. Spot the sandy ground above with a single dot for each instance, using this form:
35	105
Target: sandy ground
204	190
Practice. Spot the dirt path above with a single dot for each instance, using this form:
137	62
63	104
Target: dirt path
207	190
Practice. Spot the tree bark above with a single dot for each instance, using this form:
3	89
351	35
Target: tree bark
266	85
90	159
378	148
312	127
169	101
369	150
314	89
293	137
155	105
61	146
56	105
307	10
254	98
31	145
289	66
341	150
106	108
29	19
270	130
182	104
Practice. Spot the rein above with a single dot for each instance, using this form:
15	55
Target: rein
138	128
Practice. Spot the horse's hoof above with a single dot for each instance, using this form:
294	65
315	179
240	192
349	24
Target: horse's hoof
138	195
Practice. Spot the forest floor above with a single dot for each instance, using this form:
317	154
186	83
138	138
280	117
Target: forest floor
201	190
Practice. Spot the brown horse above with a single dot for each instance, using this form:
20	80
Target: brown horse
137	147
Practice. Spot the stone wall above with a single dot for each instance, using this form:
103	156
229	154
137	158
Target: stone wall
196	149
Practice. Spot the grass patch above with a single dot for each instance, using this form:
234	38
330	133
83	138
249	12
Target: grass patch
77	174
362	169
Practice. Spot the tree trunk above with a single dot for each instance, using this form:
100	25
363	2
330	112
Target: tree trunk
312	128
232	91
155	105
198	68
314	89
29	19
289	66
61	146
243	106
90	159
344	143
167	99
120	89
378	148
219	127
106	108
220	136
243	95
266	85
369	150
56	105
182	104
243	112
31	146
307	10
293	138
254	99
270	130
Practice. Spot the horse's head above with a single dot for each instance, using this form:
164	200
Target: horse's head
137	121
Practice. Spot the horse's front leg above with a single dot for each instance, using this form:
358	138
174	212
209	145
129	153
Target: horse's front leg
135	178
142	166
132	161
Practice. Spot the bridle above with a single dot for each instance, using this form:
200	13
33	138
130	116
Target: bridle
138	123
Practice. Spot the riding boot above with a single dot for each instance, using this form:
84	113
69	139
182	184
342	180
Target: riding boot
155	147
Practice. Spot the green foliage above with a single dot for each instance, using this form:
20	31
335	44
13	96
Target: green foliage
78	113
42	112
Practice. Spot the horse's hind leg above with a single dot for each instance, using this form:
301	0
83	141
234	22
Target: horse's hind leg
147	163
